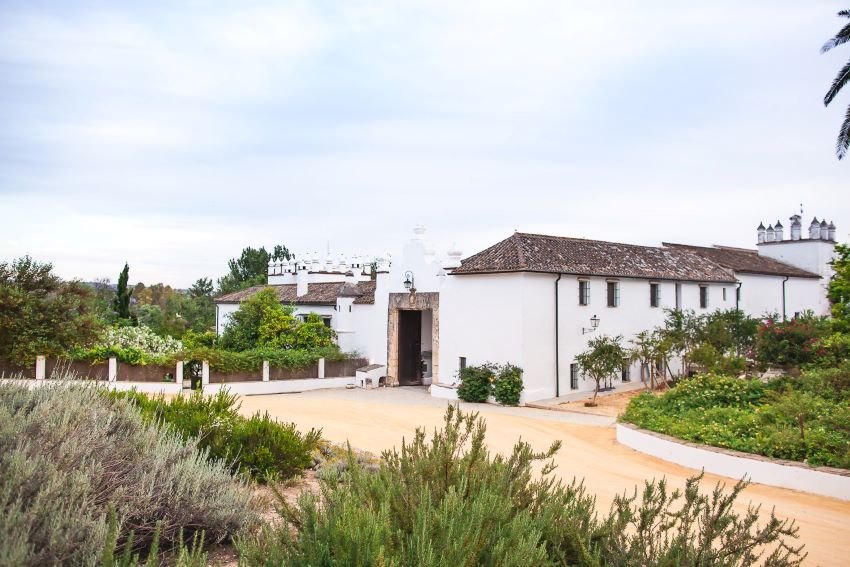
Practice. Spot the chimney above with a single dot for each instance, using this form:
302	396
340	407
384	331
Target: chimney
824	230
453	260
778	230
301	279
814	229
770	235
760	232
831	228
796	227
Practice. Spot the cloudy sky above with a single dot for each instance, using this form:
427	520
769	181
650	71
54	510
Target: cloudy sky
173	136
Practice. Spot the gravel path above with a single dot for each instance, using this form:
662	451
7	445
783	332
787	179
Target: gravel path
374	420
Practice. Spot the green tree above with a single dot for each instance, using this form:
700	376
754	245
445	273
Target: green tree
603	358
121	303
842	37
202	288
261	321
839	288
652	350
41	314
682	331
250	268
243	328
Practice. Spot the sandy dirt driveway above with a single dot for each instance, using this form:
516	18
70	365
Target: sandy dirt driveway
378	419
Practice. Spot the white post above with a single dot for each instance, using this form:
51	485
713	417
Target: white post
113	369
40	367
321	368
265	371
205	373
178	373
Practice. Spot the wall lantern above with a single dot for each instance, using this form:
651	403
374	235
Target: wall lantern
408	282
594	322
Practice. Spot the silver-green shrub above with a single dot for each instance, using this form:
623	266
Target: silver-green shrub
67	453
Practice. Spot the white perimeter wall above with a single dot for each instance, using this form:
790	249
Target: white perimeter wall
736	467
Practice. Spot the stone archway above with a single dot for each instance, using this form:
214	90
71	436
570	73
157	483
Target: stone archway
420	301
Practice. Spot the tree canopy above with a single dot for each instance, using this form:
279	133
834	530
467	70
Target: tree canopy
839	287
41	314
250	268
261	321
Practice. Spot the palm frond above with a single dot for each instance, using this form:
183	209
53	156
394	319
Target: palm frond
842	145
845	13
840	38
840	80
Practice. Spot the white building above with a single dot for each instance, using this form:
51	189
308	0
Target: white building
535	300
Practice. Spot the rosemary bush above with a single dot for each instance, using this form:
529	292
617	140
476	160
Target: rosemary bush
68	453
447	501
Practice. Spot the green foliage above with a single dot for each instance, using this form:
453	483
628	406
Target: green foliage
270	450
603	359
262	322
789	343
171	312
259	447
830	351
843	36
181	555
839	287
447	501
41	314
251	268
797	419
476	382
69	454
508	385
121	304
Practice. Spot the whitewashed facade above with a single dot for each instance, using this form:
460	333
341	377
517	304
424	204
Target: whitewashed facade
423	316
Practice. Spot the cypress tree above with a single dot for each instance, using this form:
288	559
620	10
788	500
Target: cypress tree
121	303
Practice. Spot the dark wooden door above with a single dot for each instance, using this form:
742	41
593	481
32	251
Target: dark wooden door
409	347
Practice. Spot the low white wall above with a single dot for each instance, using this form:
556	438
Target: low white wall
146	387
723	462
443	392
280	386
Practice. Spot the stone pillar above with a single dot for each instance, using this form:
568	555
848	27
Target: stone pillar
321	368
40	367
113	369
178	373
205	373
265	371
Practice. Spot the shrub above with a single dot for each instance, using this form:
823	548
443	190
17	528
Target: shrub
789	343
68	454
508	385
476	382
797	419
446	501
260	447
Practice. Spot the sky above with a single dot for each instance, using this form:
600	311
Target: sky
172	134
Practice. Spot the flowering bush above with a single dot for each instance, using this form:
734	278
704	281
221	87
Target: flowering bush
141	338
789	343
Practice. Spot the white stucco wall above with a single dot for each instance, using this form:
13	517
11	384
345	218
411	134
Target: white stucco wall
762	294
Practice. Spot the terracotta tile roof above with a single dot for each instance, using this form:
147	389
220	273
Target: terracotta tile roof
523	252
744	261
321	293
